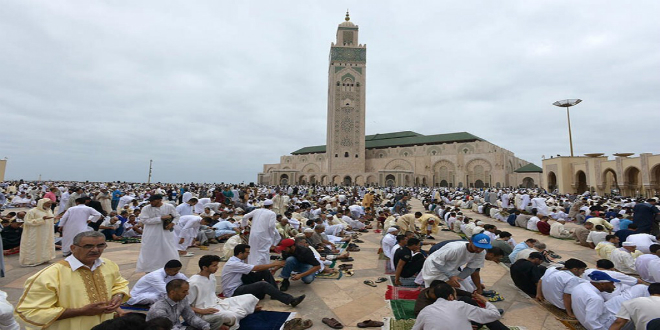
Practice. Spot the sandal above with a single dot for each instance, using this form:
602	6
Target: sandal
349	272
352	249
347	259
380	280
333	323
370	324
370	283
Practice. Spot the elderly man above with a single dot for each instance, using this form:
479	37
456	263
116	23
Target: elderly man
557	229
151	287
158	245
78	292
623	259
263	234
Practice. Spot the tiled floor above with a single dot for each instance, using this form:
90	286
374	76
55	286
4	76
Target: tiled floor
348	299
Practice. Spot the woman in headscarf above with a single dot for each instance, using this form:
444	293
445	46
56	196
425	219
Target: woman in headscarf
38	239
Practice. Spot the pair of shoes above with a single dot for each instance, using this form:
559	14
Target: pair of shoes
285	285
297	324
332	322
296	301
370	324
430	237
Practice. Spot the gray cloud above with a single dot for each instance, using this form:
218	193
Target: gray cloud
212	90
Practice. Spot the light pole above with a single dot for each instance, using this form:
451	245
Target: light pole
567	104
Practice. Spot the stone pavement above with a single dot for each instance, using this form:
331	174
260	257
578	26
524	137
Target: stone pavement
348	299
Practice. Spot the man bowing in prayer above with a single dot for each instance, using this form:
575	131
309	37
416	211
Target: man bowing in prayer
158	246
263	233
78	292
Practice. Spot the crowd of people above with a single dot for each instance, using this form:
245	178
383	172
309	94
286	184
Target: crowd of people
296	232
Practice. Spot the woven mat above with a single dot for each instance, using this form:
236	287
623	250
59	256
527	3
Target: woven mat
337	275
400	324
403	309
392	278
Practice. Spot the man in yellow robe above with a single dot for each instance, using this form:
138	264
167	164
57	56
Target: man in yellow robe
429	224
78	292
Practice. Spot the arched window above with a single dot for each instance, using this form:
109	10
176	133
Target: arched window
346	154
336	155
356	156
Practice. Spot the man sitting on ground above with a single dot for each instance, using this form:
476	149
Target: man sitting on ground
151	286
449	313
557	284
409	262
596	236
300	259
205	302
175	306
581	233
604	249
502	242
557	229
239	278
526	273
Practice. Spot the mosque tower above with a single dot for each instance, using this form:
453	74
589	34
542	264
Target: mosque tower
346	102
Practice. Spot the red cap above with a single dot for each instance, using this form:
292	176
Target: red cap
285	243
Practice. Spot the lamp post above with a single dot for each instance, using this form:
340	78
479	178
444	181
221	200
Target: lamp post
567	104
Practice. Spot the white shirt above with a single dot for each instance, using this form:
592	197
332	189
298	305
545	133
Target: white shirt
230	278
596	237
392	252
443	264
107	223
531	224
643	241
152	284
654	271
456	315
640	310
642	266
388	242
615	224
589	307
75	263
555	283
623	261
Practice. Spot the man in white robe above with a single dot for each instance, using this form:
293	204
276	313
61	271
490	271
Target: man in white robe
186	230
157	238
187	208
263	233
539	204
151	287
64	201
75	221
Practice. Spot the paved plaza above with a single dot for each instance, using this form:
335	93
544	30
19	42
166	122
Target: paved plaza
348	299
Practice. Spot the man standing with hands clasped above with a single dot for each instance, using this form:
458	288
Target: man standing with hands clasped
78	292
158	246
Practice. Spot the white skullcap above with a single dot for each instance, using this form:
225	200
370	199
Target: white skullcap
268	202
628	244
480	223
391	230
329	216
308	230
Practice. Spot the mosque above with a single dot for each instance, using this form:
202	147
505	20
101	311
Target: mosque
402	158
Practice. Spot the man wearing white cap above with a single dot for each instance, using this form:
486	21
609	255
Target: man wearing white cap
558	230
588	304
389	241
263	233
623	259
444	264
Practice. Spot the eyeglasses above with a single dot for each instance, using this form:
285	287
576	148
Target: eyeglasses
91	246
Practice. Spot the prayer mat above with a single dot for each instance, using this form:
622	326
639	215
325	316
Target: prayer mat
392	278
401	293
143	308
393	324
265	320
403	309
337	275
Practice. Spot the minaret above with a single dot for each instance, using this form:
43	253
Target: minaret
346	102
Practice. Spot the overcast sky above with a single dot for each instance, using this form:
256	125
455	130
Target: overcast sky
212	90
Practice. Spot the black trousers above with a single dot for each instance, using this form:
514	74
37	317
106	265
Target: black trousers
261	284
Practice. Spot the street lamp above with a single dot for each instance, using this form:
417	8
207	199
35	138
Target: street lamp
567	104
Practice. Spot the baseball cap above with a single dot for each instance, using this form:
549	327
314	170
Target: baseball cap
481	241
285	243
601	277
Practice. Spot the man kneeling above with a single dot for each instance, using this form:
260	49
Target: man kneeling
204	302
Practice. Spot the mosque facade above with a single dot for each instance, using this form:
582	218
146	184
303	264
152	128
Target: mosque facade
596	173
392	159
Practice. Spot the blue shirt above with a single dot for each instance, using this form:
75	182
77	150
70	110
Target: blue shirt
519	247
624	223
116	195
223	225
